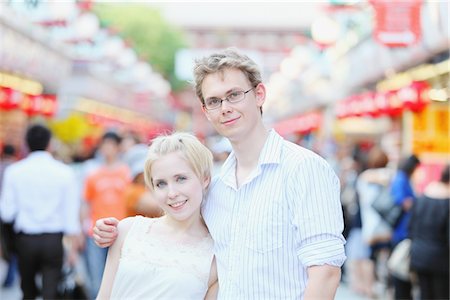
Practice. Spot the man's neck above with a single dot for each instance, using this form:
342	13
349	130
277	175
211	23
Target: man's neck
247	152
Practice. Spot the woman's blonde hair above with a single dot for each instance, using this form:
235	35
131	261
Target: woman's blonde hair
197	155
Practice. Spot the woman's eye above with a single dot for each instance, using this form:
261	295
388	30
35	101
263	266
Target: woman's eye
160	184
181	178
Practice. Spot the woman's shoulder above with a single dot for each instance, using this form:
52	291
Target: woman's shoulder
437	190
126	224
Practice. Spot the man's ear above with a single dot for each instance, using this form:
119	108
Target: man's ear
206	113
260	93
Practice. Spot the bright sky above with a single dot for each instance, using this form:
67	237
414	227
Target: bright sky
288	15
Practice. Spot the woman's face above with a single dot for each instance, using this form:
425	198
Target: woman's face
177	189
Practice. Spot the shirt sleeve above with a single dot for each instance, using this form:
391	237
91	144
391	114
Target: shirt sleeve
8	205
316	213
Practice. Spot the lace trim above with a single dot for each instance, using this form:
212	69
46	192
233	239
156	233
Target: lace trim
192	258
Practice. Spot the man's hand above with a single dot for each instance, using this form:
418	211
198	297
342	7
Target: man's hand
105	232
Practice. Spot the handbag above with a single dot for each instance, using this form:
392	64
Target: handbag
7	240
399	261
70	286
385	206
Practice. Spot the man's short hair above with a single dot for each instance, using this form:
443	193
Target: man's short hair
38	137
229	58
8	150
110	135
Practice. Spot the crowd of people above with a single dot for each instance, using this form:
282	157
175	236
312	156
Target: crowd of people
371	239
162	221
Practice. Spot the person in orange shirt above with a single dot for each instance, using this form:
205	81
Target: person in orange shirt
104	193
138	198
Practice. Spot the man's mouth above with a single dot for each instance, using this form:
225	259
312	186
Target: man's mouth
227	122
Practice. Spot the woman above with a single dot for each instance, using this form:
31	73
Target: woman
170	257
429	233
376	233
403	194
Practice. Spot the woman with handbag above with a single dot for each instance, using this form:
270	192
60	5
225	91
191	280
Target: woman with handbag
429	233
403	194
376	233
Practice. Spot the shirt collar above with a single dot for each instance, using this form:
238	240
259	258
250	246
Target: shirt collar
270	154
39	154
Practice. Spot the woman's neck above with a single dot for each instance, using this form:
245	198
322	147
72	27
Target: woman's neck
438	190
194	226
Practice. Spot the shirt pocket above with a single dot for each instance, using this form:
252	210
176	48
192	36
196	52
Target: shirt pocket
264	233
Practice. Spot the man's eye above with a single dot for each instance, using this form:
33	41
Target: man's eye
213	101
234	95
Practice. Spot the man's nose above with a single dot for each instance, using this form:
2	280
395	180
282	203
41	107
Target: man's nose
225	105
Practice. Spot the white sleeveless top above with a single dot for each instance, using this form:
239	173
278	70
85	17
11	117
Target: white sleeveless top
153	268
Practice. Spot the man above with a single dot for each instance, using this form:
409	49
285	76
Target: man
104	192
274	210
39	196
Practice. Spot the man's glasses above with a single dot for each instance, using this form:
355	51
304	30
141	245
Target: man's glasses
233	97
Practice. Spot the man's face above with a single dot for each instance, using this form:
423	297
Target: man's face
233	120
110	149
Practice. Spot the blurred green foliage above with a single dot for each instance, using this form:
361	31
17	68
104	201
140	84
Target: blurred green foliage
152	37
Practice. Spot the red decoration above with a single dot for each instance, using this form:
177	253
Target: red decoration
397	22
31	104
413	97
48	105
300	124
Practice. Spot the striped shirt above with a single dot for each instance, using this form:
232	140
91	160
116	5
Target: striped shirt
286	217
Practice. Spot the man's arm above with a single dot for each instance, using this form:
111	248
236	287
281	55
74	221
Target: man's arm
112	261
105	232
316	215
322	282
213	283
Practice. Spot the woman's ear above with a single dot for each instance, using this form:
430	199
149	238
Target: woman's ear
206	182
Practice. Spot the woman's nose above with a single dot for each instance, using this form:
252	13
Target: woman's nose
173	192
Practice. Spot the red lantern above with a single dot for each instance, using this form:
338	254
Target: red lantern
48	105
395	105
397	23
9	98
421	90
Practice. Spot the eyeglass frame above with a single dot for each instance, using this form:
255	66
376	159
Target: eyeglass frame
226	99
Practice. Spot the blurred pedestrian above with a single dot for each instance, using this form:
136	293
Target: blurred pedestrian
429	233
169	257
403	194
139	200
376	233
104	194
220	150
39	195
274	211
7	157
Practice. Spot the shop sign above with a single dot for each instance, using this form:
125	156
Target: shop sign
300	124
11	99
413	97
397	23
430	130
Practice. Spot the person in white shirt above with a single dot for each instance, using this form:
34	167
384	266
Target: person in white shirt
39	195
274	211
